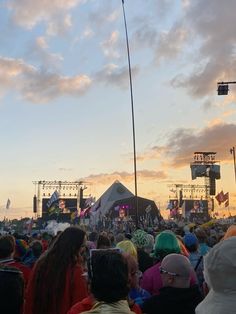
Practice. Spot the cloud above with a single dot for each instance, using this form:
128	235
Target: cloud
87	33
108	178
28	13
212	26
171	43
118	76
182	143
110	46
59	25
229	113
39	51
102	14
39	86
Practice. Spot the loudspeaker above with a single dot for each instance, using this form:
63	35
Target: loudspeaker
35	204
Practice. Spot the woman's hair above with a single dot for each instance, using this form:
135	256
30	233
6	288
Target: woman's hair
166	243
108	272
7	245
51	269
128	247
11	290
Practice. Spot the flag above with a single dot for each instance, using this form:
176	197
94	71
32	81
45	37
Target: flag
89	201
53	199
8	204
95	207
226	196
220	197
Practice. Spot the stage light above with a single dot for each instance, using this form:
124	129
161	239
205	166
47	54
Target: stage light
223	89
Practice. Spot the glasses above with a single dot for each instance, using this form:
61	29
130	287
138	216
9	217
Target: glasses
163	271
137	273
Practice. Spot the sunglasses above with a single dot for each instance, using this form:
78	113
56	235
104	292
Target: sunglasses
163	271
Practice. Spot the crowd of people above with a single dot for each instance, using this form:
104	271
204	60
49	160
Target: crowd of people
177	271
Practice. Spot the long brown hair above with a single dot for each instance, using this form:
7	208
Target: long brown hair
51	268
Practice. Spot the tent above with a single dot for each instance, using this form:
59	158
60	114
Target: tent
118	196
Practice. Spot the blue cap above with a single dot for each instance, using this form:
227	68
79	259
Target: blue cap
190	239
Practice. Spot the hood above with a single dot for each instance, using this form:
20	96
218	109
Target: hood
220	266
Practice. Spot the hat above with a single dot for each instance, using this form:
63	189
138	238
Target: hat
190	239
220	266
140	238
166	243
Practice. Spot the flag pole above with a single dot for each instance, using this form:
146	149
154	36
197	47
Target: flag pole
232	151
133	121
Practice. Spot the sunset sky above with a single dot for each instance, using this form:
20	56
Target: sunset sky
65	110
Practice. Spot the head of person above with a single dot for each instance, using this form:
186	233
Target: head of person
148	248
11	290
120	237
231	232
134	273
140	239
111	237
108	273
93	236
201	235
191	242
7	246
128	247
37	248
51	269
103	241
175	271
166	243
220	266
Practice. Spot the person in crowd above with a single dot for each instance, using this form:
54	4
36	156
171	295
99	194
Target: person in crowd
196	259
21	247
220	275
103	241
202	239
149	246
11	290
119	237
165	244
231	232
34	252
57	281
108	273
183	249
7	251
87	303
141	240
176	296
112	238
93	236
136	293
128	247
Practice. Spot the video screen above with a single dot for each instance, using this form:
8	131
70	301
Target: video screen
61	206
195	207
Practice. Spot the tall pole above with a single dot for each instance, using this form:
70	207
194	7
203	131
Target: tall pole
232	151
133	123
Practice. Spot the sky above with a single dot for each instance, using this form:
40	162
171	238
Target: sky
65	111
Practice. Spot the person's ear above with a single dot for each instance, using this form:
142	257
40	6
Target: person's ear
170	279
